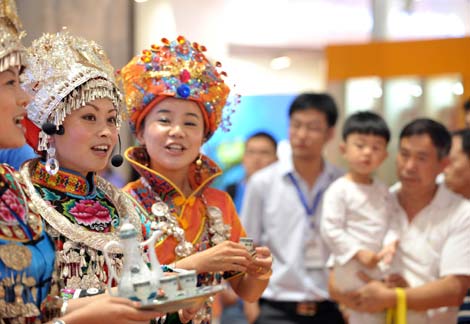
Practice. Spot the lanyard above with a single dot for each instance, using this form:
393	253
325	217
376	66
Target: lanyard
316	201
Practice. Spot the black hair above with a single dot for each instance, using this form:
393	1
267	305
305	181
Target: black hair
367	123
321	102
438	133
466	105
265	135
464	134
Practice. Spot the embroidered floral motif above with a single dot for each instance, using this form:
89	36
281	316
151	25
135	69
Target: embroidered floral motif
89	212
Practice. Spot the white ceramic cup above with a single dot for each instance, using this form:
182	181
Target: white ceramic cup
169	284
247	243
188	281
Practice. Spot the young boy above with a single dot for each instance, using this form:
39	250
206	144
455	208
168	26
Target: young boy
355	208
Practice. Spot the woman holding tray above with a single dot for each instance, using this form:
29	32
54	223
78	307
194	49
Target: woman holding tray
175	98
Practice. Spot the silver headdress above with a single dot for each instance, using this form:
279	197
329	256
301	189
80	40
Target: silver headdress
11	49
63	74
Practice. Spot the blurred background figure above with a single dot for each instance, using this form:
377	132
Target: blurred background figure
260	151
457	173
457	179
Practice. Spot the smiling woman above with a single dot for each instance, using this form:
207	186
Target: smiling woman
28	279
175	98
73	121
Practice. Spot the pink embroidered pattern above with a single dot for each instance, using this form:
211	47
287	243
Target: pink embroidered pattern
12	200
88	212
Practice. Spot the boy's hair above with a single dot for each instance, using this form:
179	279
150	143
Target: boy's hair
321	102
265	135
367	123
464	134
438	133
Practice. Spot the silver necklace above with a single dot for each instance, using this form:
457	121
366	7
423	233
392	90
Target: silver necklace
169	225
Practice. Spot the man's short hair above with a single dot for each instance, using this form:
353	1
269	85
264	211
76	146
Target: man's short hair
321	102
464	134
265	135
438	133
366	123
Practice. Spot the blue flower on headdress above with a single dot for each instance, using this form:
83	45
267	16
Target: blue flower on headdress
183	91
148	98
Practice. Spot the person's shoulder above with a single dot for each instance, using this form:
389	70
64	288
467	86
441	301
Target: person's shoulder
380	186
269	173
339	184
446	197
214	195
333	170
453	199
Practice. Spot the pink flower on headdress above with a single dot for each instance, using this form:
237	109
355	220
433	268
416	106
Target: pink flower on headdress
88	212
185	76
12	200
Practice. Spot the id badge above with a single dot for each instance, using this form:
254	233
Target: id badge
313	252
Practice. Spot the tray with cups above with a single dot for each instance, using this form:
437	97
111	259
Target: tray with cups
179	291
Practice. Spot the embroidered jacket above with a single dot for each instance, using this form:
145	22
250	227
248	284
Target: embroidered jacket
191	211
26	252
82	215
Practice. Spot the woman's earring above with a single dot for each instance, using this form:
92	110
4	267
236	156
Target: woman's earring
199	161
52	165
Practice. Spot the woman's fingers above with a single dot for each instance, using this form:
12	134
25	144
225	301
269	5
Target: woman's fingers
263	251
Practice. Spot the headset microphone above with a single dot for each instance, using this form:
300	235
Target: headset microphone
117	159
51	129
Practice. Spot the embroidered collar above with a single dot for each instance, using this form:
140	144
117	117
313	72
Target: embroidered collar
199	179
65	181
167	204
75	232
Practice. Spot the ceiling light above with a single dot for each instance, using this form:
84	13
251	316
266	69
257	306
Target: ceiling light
280	63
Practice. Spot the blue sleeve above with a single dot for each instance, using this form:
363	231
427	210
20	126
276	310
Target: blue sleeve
17	156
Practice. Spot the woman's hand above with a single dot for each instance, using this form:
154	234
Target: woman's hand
261	263
108	309
226	256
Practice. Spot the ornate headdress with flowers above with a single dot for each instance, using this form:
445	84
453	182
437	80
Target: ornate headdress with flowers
63	74
11	49
175	69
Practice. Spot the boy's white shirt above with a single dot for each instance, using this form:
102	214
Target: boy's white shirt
357	216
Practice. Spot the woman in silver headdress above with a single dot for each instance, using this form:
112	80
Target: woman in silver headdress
26	251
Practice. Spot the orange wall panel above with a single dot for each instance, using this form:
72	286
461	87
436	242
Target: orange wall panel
389	59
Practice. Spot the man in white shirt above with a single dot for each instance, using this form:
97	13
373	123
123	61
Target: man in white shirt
282	208
433	258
